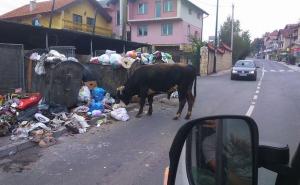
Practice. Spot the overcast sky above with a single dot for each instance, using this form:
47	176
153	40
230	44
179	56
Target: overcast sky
257	16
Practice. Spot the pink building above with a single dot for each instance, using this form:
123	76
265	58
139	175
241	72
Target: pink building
162	23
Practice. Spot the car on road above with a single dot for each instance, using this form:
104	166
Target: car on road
244	69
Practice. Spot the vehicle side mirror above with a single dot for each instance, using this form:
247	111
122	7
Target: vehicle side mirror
215	150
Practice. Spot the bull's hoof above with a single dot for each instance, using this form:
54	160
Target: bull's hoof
176	118
187	117
138	116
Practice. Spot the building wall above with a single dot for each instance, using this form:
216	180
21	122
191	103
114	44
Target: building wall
154	33
84	8
192	31
112	11
191	19
134	15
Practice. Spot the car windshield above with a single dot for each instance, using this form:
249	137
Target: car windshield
244	63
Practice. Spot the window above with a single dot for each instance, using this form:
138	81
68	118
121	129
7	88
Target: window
190	11
196	34
77	19
189	30
198	15
118	18
157	9
143	8
90	21
142	31
168	5
167	29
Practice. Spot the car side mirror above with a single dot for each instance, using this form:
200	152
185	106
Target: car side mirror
215	150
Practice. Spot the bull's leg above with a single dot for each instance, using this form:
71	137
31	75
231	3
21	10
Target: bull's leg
182	101
190	100
143	96
150	101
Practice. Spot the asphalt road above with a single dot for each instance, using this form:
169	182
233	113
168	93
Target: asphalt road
136	152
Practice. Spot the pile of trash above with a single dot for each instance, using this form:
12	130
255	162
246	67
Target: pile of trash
26	116
52	56
125	60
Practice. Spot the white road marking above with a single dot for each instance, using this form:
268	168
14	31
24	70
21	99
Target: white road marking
253	103
255	97
281	70
258	87
291	70
250	110
257	91
272	70
264	71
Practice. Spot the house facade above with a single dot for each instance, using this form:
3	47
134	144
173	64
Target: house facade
76	15
165	24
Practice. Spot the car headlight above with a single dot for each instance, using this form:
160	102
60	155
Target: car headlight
251	72
234	71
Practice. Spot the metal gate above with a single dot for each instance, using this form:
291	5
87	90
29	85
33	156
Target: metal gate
11	67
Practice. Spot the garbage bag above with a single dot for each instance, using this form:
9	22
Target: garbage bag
81	120
108	99
96	113
81	109
27	115
115	60
40	68
98	94
84	94
41	118
104	59
131	54
96	105
95	60
35	56
120	114
28	102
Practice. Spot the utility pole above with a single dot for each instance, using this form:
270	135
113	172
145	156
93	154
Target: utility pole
216	38
123	18
232	22
51	15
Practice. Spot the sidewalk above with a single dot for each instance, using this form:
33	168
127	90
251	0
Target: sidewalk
293	67
220	73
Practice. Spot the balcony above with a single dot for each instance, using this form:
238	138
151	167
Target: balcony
86	28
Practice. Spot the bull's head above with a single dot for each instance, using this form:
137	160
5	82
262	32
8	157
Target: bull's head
121	95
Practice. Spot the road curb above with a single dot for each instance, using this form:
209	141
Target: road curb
19	146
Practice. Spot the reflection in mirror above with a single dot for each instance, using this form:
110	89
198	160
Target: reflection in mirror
217	152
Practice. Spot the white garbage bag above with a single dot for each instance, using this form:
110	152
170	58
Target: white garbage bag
109	52
104	59
115	59
84	94
40	68
120	114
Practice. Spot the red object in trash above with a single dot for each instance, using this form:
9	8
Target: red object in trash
28	102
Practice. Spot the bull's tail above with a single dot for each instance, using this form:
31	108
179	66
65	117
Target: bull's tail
195	87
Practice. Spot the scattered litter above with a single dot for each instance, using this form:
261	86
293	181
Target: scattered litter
120	114
41	118
174	94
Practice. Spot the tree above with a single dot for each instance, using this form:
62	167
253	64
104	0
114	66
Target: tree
241	39
257	45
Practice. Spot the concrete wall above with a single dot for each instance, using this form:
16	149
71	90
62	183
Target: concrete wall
223	61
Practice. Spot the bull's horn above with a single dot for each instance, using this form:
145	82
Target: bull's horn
121	88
